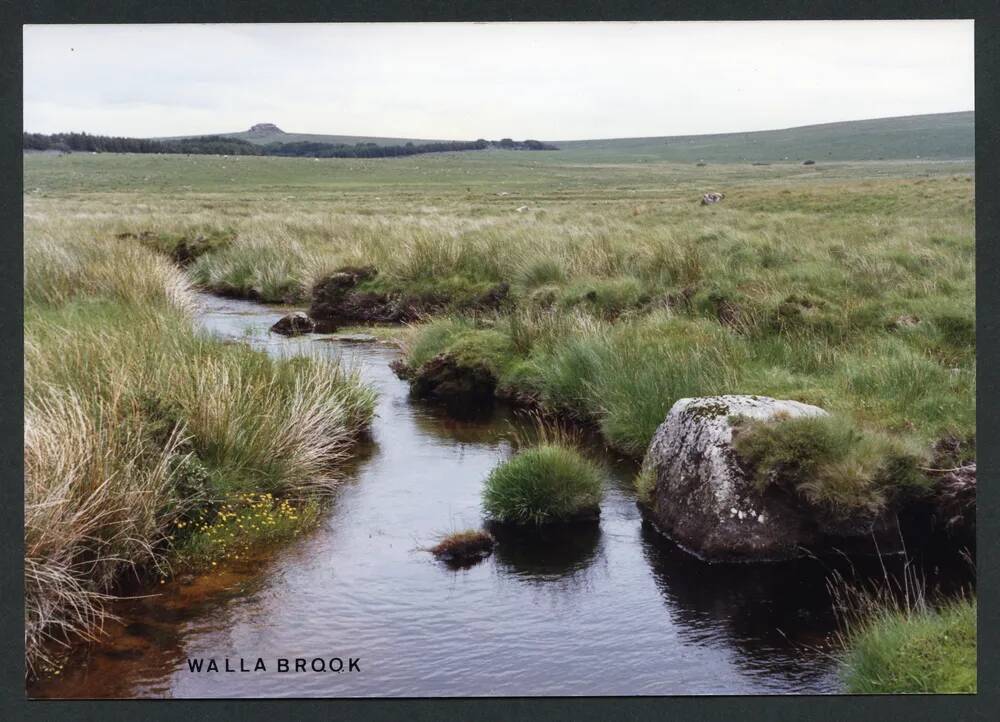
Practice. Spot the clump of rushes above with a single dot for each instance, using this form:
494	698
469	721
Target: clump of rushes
924	650
260	268
548	483
464	548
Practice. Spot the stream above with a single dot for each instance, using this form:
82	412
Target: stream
606	609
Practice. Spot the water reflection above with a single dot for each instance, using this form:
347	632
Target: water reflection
778	617
478	425
540	554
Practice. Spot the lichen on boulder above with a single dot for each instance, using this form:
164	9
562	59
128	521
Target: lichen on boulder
703	497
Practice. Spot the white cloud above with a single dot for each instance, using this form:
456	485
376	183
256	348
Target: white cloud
453	80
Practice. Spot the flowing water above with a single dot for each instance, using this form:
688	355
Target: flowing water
605	609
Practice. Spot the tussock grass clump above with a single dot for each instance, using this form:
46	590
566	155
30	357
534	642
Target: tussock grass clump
183	248
135	422
541	271
264	269
548	483
643	368
98	495
608	298
270	426
896	638
58	270
930	651
462	339
828	461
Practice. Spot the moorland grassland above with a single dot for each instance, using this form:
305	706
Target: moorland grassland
848	285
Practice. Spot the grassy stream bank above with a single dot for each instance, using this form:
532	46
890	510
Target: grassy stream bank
148	446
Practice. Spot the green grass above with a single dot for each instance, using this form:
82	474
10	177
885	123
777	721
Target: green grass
930	651
806	275
548	483
851	288
828	461
272	271
135	423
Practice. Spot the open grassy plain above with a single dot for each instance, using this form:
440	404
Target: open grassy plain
848	285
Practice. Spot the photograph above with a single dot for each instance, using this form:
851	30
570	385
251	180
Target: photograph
567	359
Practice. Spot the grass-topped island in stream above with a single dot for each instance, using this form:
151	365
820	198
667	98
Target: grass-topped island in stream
549	483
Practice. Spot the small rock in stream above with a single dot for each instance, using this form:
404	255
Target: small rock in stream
294	324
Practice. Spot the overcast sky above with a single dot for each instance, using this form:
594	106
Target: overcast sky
555	81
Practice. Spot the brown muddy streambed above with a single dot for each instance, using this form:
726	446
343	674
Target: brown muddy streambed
604	609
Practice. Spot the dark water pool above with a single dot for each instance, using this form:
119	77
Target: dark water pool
609	609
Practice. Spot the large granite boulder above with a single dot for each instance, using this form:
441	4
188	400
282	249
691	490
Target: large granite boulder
707	502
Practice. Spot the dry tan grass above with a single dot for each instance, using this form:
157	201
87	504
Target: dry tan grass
95	496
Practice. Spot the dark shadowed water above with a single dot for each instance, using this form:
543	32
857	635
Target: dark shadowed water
606	609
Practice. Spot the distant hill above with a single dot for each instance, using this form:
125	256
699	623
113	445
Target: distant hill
264	133
940	136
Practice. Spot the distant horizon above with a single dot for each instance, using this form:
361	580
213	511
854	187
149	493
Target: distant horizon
531	137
